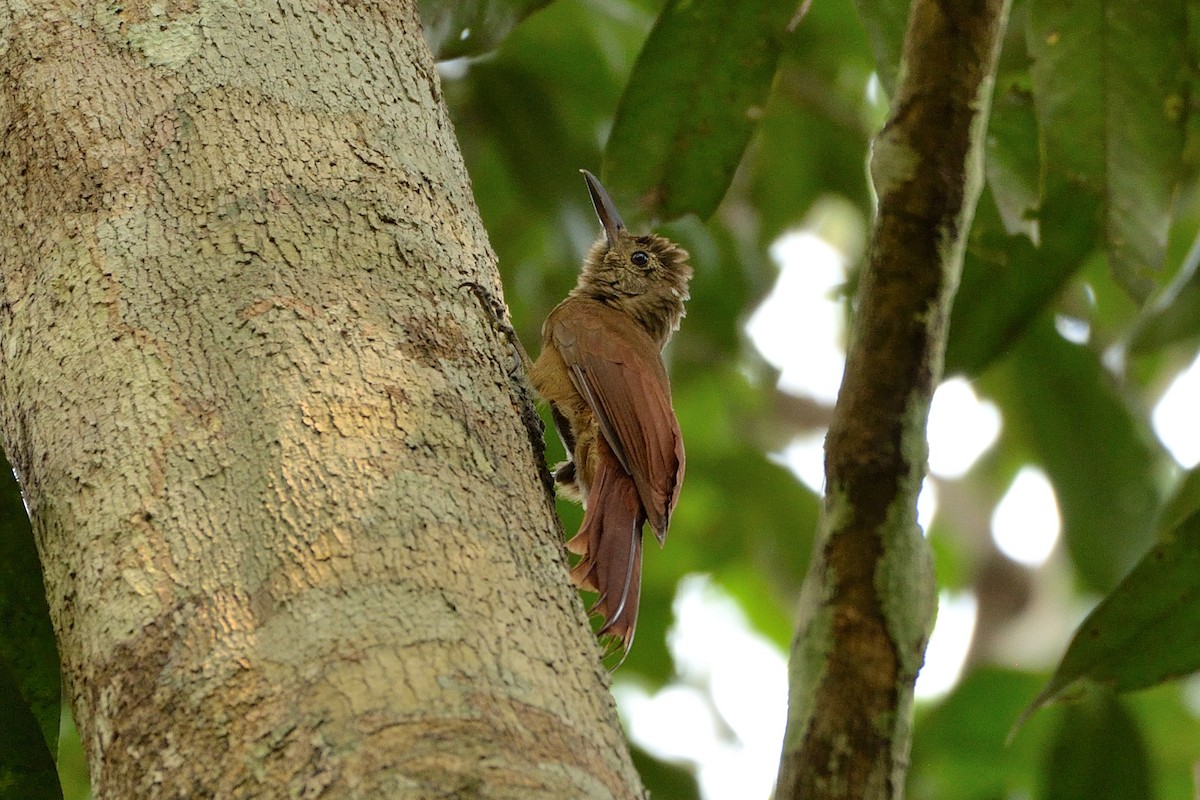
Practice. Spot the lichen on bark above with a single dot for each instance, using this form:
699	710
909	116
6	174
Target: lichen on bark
293	530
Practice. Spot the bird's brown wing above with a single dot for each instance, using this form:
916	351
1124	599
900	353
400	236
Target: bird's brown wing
618	370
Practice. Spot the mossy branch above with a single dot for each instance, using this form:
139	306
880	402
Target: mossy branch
869	597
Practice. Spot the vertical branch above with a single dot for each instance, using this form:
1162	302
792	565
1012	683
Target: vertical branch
869	598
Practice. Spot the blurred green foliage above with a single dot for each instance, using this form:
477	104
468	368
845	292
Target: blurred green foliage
29	680
684	121
732	127
1087	218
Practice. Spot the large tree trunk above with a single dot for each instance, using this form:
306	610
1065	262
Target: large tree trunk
294	536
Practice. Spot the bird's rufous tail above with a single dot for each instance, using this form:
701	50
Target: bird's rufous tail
610	543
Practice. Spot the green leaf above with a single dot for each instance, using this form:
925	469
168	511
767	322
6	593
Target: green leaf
27	770
785	180
543	151
819	101
1171	731
456	28
1107	467
1098	754
1145	632
1109	83
27	643
885	22
1012	161
1183	503
1175	317
959	750
696	93
1008	283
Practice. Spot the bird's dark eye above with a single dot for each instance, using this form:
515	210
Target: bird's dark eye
639	258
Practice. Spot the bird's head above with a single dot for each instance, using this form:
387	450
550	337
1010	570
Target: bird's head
621	266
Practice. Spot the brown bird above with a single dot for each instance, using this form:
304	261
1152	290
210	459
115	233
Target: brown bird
602	374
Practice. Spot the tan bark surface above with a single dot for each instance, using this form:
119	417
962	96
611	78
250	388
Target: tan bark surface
294	536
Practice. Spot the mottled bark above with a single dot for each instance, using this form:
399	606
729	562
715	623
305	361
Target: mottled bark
869	597
294	536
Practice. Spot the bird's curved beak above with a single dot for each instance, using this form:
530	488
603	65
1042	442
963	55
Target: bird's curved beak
605	209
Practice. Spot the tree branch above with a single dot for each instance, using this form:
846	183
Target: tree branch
869	598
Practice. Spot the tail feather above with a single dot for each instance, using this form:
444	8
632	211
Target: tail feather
610	543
